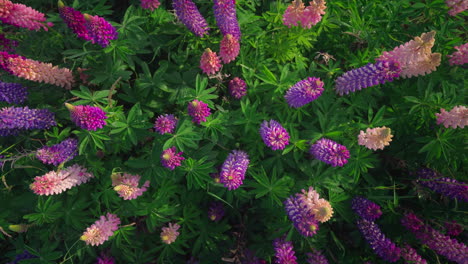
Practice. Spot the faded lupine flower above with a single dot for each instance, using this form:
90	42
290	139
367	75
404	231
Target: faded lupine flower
367	76
24	255
410	255
456	6
16	119
188	13
101	230
169	234
23	16
216	211
381	245
321	208
460	56
453	228
237	88
330	152
165	124
316	257
75	20
59	153
149	4
441	244
301	215
57	182
87	117
210	62
284	252
171	159
375	138
104	259
274	135
308	16
304	92
229	48
225	15
415	57
199	111
443	185
13	93
366	209
233	170
7	44
126	185
100	31
457	117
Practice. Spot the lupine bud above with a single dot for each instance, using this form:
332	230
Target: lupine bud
274	135
149	4
410	255
237	88
101	230
21	228
100	31
210	62
16	119
229	48
460	56
225	15
443	185
381	245
366	209
330	152
87	117
457	117
316	257
199	111
233	170
75	20
126	185
171	159
59	153
375	138
188	13
216	211
284	252
456	6
23	16
169	234
57	182
13	93
304	92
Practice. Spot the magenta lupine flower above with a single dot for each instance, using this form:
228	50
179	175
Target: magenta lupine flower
237	88
410	255
216	211
456	6
293	13
330	152
87	117
301	215
75	20
165	124
171	159
460	56
366	209
441	244
453	228
169	234
59	153
101	230
229	48
23	16
233	170
304	92
126	185
149	4
381	245
225	15
7	44
199	111
188	13
274	135
16	119
13	93
457	117
443	185
210	62
100	31
367	76
316	257
57	182
284	252
308	16
104	259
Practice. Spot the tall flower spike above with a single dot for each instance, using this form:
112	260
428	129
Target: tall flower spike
375	138
23	16
460	56
171	159
165	124
75	20
237	88
210	62
443	185
101	230
199	111
150	4
381	245
304	92
188	13
233	170
330	152
410	255
316	257
216	211
456	6
59	153
284	252
301	215
229	48
274	135
367	76
87	117
126	185
16	119
366	209
169	234
225	15
57	182
13	93
100	31
457	117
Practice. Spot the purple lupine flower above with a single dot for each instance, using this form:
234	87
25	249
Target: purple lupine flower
284	252
104	259
316	257
453	228
304	92
15	119
7	44
369	75
188	13
75	20
443	185
225	15
87	117
13	93
100	31
171	159
22	256
274	135
330	152
199	111
441	244
410	255
233	170
300	214
150	4
381	245
165	124
237	88
250	258
216	211
59	153
366	209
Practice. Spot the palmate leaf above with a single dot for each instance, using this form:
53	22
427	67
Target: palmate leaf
185	137
198	172
275	189
46	211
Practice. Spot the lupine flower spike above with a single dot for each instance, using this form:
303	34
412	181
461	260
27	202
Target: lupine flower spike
169	234
225	15
366	209
59	153
284	252
456	6
316	257
165	124
210	62
75	20
330	152
216	211
460	56
375	138
13	93
301	215
274	135
150	4
307	16
199	111
321	208
457	117
126	185
101	230
23	16
57	182
381	245
237	88
171	159
16	119
100	31
229	48
233	170
443	185
188	13
410	255
304	92
453	228
87	117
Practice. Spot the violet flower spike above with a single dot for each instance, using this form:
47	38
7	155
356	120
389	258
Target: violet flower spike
226	19
16	119
330	152
58	153
446	186
301	215
100	31
274	135
87	117
410	255
316	257
13	93
304	92
284	252
188	13
366	209
233	169
75	20
381	245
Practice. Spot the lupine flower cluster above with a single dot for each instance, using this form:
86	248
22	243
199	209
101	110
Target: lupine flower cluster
169	234
59	153
274	135
188	13
165	124
16	119
316	257
13	93
126	185
457	117
460	56
7	44
453	228
22	256
210	62
307	16
284	252
229	48
199	111
101	230
226	18
87	117
304	92
237	88
375	138
150	4
366	209
171	159
75	20
443	185
23	16
57	182
456	6
330	152
233	169
382	246
410	255
216	211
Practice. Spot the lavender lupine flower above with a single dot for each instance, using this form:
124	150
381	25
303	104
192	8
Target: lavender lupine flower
233	170
75	20
199	111
316	257
229	48
188	13
330	152
22	256
150	4
165	124
443	185
59	153
284	252
171	159
237	88
13	93
410	255
304	92
225	15
100	31
301	215
274	135
369	75
216	211
366	209
381	245
453	228
87	117
15	119
441	244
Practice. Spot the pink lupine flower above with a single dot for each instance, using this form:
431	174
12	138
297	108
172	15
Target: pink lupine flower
229	48
237	88
87	117
375	138
101	230
171	159
307	16
169	234
210	62
23	16
199	111
456	6
457	117
126	185
460	56
149	4
293	13
321	208
57	182
75	20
